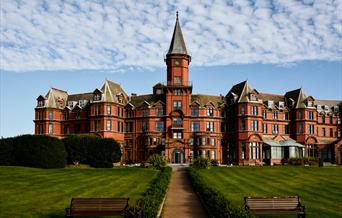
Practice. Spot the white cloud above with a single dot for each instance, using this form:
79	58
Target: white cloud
51	35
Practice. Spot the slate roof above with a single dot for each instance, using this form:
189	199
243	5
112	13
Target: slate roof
204	100
177	45
82	96
151	99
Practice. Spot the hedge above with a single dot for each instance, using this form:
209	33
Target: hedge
216	203
93	150
148	205
33	151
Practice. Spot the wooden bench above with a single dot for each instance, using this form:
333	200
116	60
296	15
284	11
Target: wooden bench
275	205
97	207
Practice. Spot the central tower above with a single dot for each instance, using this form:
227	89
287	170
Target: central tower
178	97
177	59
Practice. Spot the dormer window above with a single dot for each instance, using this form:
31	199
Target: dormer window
253	97
270	104
159	92
82	103
40	103
281	104
319	107
335	108
210	111
97	97
310	103
120	98
326	107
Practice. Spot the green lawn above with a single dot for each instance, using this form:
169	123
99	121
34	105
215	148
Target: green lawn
31	192
320	189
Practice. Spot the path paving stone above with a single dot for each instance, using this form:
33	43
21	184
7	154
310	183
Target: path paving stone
181	200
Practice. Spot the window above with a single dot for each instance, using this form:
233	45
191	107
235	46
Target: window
65	115
286	115
77	116
311	129
270	104
338	120
177	92
264	114
160	111
323	118
338	132
109	125
128	113
212	141
194	111
310	115
177	135
275	115
50	128
144	113
254	110
40	103
210	126
177	121
97	125
177	79
253	97
331	132
108	110
159	91
254	150
323	131
242	110
286	129
191	141
160	126
195	126
243	150
275	129
129	126
264	128
203	141
144	126
210	111
243	125
300	115
331	119
97	97
301	128
177	105
254	125
50	115
281	104
97	109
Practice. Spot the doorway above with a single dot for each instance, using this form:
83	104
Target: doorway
178	156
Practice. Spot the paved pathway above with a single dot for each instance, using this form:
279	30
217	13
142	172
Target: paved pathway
181	200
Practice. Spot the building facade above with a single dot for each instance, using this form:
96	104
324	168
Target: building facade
243	127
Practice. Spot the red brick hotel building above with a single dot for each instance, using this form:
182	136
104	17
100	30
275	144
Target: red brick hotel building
244	127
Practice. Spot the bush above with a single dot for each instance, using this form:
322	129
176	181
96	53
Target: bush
6	151
296	161
201	163
215	202
148	205
157	161
93	150
38	151
77	148
104	152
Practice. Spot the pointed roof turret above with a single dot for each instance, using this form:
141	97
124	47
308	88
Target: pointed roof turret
177	45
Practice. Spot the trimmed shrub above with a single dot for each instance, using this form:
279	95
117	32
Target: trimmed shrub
201	163
104	152
148	205
215	202
77	148
93	150
39	151
6	151
157	161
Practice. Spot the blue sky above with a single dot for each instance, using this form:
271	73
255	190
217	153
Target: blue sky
75	45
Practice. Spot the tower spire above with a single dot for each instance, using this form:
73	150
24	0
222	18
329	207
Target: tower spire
177	45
